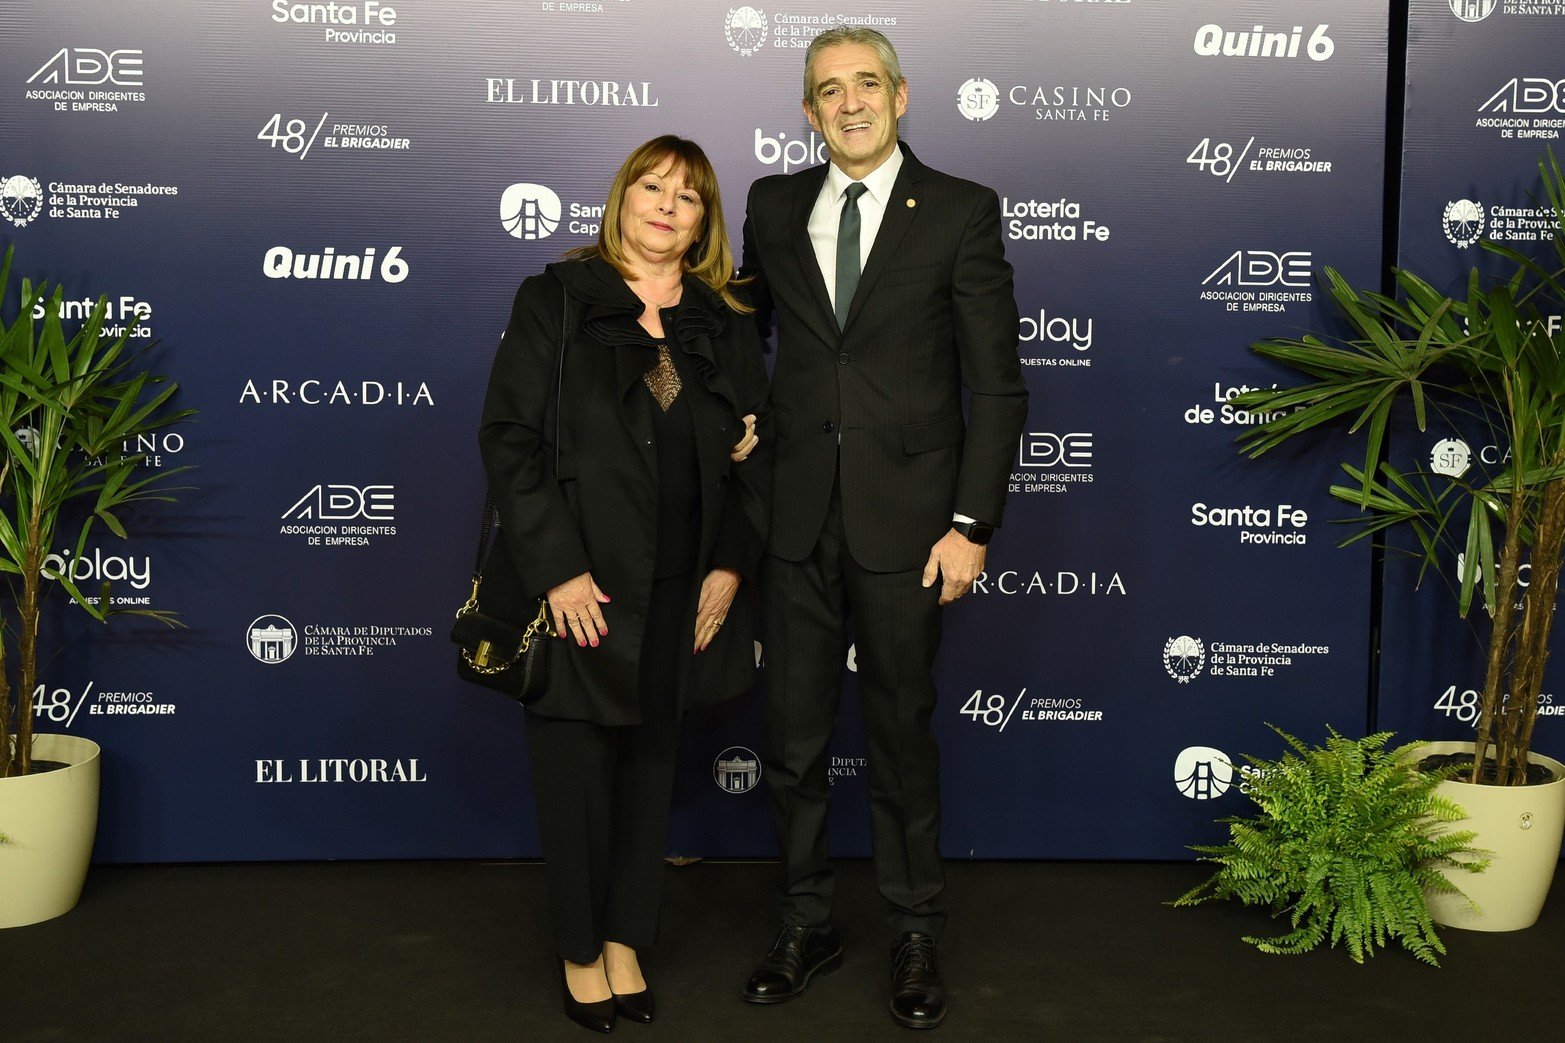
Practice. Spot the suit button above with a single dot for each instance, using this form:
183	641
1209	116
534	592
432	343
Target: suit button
828	427
843	358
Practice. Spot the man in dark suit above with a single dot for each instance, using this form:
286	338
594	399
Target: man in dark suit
891	293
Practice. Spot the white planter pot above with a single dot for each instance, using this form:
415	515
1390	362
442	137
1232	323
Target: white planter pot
1521	826
50	819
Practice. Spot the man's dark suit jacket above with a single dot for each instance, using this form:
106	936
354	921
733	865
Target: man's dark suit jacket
934	312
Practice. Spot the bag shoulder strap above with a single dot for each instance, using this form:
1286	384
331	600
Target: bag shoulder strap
490	515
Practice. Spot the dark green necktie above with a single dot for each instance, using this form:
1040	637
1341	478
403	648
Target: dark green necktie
848	251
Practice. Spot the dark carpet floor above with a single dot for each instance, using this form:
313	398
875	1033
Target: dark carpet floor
457	951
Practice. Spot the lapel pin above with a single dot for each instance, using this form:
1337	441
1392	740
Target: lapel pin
911	204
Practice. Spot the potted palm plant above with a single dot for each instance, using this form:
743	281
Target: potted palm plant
68	407
1487	358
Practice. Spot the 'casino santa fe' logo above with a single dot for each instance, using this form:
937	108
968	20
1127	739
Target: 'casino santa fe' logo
1450	457
745	28
1183	657
1463	222
978	99
21	199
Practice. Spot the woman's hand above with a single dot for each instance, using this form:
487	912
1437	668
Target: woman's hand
575	604
717	593
748	442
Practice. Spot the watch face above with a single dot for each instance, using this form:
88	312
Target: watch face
978	532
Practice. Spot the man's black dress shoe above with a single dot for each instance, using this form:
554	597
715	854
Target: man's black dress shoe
798	955
597	1015
637	1006
918	997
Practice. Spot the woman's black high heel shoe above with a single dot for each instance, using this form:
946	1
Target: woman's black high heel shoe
597	1015
637	1006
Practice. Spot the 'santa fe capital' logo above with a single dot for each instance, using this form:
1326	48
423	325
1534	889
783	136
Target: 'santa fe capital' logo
1184	657
1463	222
530	211
736	770
745	28
978	99
1203	772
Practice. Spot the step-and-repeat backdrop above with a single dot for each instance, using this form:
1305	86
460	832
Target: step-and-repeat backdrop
1485	98
320	212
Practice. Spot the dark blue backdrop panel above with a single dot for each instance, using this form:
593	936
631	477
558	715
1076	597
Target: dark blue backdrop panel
328	213
1483	102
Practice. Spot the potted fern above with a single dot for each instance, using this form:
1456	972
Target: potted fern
1487	358
1347	839
68	406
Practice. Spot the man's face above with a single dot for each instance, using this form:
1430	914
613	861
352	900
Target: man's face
854	107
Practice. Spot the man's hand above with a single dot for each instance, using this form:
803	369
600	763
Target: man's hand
575	607
748	442
957	561
717	594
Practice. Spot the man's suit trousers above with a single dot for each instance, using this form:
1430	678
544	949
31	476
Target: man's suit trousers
896	629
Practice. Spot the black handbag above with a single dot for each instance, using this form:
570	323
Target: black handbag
509	657
496	653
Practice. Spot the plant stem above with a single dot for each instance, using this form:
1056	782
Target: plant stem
27	609
1532	650
1492	703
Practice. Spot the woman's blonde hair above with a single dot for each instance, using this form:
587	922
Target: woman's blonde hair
709	257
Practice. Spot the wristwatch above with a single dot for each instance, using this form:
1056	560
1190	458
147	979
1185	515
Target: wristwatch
976	531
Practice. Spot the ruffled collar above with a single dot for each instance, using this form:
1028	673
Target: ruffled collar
610	319
612	307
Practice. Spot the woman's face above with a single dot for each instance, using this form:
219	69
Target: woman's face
661	215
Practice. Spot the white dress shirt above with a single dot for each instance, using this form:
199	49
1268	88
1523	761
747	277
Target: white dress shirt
827	215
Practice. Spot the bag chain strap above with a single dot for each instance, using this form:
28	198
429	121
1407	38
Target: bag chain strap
544	620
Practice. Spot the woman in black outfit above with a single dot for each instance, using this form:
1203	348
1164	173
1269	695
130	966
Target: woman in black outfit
641	526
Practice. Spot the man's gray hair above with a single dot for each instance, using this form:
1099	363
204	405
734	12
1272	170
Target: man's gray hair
850	34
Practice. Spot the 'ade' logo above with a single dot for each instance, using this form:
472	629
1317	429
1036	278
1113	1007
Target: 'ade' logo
1262	268
88	66
1046	449
1529	94
346	503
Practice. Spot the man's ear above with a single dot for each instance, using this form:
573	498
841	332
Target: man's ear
809	114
